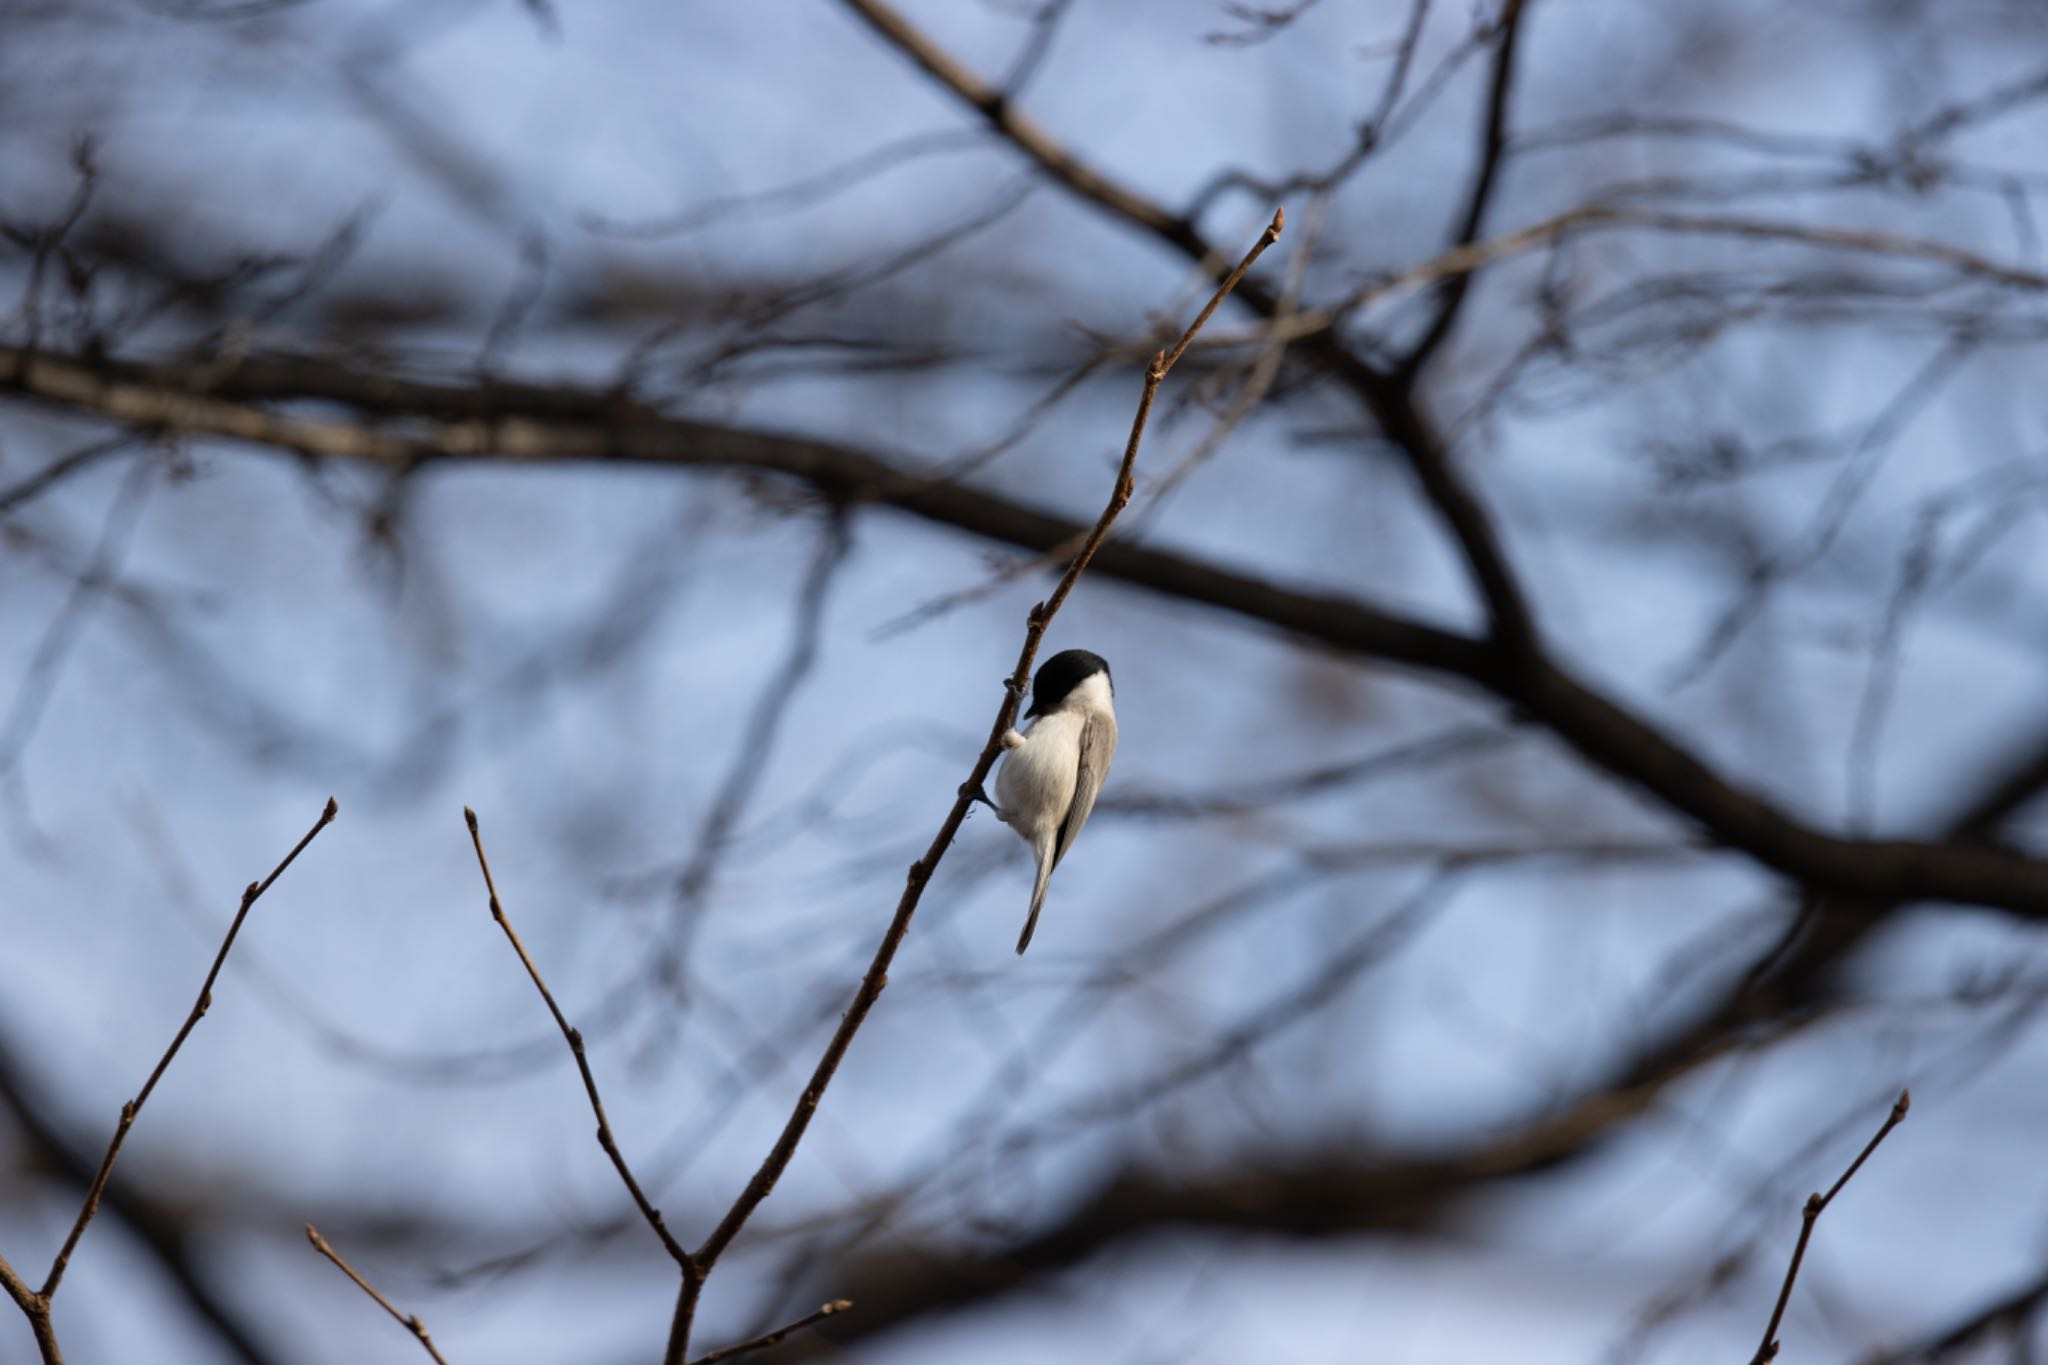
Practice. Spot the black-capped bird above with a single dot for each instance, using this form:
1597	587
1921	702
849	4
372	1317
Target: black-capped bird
1053	769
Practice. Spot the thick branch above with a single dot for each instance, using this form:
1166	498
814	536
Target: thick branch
562	424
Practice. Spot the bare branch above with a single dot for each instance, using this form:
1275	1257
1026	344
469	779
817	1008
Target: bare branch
1492	153
575	1041
35	1304
130	1110
535	424
767	1339
877	975
409	1321
1815	1205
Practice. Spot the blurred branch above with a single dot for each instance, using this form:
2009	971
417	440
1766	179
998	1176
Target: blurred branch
1388	398
575	1041
1492	152
159	1229
519	424
1313	1195
19	494
409	1321
1816	1204
757	742
37	1304
920	874
2012	1313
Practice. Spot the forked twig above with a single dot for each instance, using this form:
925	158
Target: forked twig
877	976
575	1040
409	1321
767	1339
1815	1204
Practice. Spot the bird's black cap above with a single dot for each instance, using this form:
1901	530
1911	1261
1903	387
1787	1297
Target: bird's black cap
1061	674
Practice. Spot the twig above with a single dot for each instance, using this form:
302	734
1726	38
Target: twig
1815	1204
767	1339
36	1303
920	874
1492	153
409	1321
575	1040
130	1110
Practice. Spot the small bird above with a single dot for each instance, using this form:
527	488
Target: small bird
1053	770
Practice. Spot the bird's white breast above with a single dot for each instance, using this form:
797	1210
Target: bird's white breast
1036	785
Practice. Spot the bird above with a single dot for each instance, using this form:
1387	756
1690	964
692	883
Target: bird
1053	769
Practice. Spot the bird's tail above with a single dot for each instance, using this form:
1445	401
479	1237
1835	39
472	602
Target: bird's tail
1043	853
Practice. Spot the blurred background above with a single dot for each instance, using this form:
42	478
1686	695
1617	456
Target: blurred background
1611	511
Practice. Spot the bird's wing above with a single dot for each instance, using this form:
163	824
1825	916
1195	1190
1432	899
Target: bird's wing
1098	747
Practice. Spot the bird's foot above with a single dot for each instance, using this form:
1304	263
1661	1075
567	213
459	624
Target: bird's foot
974	791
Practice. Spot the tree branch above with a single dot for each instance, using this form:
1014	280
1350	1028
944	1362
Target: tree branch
409	1321
920	874
552	424
774	1338
1816	1204
160	1230
575	1040
1492	149
36	1305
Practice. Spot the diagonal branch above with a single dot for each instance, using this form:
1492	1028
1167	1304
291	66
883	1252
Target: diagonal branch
409	1321
160	1229
575	1041
1492	152
776	1337
35	1304
920	874
133	1108
1816	1205
1390	400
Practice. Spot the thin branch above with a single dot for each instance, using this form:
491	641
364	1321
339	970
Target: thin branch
163	1231
13	497
767	1339
130	1110
575	1041
409	1321
920	874
1815	1205
1492	153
